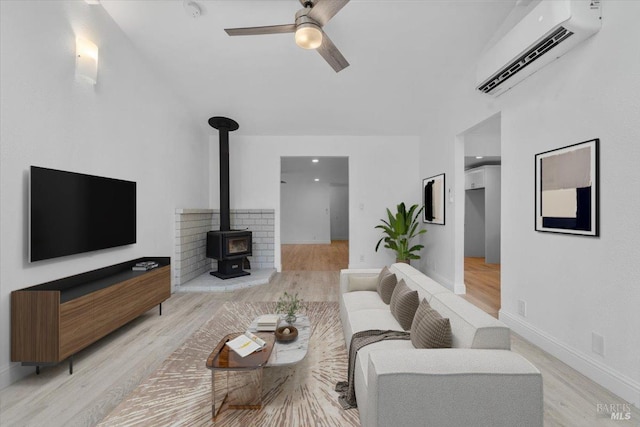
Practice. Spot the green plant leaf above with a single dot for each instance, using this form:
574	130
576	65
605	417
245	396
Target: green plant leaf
416	248
400	228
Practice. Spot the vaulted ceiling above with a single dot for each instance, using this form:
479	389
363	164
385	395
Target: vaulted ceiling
404	55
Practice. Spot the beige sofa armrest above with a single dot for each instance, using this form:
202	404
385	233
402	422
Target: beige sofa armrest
452	387
346	273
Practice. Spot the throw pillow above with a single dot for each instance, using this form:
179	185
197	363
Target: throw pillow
432	331
362	283
420	312
386	284
404	303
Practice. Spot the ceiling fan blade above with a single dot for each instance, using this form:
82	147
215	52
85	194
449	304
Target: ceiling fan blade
331	54
323	10
256	31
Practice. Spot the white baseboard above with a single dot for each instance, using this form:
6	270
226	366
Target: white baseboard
616	382
12	373
459	288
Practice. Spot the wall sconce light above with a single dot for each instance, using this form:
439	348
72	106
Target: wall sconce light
86	60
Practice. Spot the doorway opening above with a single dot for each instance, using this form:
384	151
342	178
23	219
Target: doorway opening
314	213
482	223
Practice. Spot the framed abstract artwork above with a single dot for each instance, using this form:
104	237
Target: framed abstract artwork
567	189
433	199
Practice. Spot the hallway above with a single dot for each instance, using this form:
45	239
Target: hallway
483	284
333	257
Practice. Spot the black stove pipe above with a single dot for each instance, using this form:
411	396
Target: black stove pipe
224	126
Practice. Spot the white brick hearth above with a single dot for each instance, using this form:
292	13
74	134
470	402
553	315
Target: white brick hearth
192	225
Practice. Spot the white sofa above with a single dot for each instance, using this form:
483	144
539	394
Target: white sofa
478	382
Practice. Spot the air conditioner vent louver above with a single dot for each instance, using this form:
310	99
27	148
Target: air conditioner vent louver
526	59
547	31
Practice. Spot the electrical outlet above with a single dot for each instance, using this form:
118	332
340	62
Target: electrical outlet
361	258
522	308
597	343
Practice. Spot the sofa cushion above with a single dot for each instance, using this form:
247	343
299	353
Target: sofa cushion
364	320
351	302
363	283
386	284
429	329
404	303
362	300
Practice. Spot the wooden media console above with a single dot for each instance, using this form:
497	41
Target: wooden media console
52	321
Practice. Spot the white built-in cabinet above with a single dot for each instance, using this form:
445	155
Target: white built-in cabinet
482	213
474	178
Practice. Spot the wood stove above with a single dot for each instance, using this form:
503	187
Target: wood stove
229	247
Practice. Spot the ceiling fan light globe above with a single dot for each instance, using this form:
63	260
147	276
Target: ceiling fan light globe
308	36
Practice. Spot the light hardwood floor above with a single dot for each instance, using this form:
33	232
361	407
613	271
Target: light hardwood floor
332	257
483	284
108	370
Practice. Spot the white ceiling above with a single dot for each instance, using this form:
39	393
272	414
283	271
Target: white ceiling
332	170
404	57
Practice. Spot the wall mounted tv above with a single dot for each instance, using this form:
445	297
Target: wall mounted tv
71	213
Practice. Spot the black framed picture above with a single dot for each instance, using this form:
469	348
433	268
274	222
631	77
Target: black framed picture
433	189
567	189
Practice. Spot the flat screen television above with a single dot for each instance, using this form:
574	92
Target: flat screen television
71	213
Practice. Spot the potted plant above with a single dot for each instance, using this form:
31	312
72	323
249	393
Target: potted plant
289	304
399	230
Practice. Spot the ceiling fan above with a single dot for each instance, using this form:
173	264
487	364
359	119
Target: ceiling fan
308	28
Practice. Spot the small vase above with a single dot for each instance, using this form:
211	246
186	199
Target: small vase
290	318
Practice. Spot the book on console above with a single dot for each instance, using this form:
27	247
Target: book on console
145	263
246	344
144	266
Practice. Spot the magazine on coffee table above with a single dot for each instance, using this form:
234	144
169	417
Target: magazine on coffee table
246	344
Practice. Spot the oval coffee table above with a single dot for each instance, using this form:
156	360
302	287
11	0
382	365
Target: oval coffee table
222	361
288	353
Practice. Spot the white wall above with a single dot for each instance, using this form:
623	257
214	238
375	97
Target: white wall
483	140
304	213
492	193
572	285
339	206
474	223
128	126
382	173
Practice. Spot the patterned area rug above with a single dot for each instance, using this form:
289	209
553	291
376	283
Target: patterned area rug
179	392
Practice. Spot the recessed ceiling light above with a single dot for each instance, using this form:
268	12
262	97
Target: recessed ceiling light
315	160
479	157
317	179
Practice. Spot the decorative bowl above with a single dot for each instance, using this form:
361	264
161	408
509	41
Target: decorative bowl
283	337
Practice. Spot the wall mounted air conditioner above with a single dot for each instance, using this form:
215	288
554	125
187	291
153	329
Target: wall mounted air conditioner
550	30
